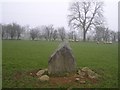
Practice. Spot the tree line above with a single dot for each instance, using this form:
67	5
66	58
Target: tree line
11	31
16	31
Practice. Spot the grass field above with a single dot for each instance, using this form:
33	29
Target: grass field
20	57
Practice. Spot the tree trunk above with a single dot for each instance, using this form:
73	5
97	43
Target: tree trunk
11	37
84	35
18	37
33	38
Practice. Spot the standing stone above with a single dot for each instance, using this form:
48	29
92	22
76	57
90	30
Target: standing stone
62	61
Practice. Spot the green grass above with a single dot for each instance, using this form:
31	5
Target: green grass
103	58
23	56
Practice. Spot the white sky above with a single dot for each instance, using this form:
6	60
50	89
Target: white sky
45	12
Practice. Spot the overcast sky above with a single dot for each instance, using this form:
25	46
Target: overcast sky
45	12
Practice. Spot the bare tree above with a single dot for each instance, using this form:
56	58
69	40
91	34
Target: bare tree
48	32
118	36
40	34
26	32
34	33
51	31
75	36
71	35
55	35
11	30
100	33
114	36
19	31
62	34
85	15
3	31
107	35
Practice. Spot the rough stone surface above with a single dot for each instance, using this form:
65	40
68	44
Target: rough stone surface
62	61
40	73
44	78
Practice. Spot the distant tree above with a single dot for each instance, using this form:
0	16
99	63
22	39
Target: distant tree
48	32
40	33
55	35
19	30
85	15
75	36
51	31
62	34
104	34
71	35
26	32
11	30
34	33
3	31
7	31
107	35
118	36
100	33
114	36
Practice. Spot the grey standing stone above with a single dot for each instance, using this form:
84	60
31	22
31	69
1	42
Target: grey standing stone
62	60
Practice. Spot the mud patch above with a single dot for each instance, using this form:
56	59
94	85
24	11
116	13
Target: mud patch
18	75
78	78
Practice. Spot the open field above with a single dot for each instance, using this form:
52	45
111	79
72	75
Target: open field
21	57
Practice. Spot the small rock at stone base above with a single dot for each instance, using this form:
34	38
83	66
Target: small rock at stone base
82	77
40	73
91	74
85	69
77	79
81	73
30	73
44	78
82	82
66	74
76	75
46	69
